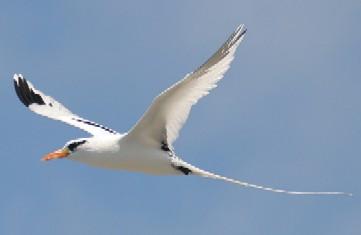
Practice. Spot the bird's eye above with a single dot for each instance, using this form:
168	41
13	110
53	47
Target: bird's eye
76	144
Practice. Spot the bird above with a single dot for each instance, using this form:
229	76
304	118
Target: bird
148	146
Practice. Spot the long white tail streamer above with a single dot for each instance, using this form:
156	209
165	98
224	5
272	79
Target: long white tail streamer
206	174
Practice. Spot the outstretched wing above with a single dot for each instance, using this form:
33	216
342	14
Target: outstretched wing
46	106
162	122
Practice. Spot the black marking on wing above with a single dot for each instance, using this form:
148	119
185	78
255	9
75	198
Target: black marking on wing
165	146
184	170
241	34
76	144
96	125
26	94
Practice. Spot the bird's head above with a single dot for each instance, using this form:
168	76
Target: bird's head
69	148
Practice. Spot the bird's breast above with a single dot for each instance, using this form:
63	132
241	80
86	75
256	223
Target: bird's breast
127	157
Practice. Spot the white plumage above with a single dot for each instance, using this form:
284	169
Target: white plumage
147	147
171	108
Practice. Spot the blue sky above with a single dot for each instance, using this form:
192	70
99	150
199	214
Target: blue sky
286	115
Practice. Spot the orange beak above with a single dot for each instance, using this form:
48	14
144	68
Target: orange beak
61	153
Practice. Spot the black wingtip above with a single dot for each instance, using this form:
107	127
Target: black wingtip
25	92
20	94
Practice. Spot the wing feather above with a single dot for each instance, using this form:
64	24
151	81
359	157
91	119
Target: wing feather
170	110
47	106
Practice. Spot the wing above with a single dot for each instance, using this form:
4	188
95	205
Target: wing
161	123
46	106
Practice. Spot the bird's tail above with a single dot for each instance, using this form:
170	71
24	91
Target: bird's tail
196	171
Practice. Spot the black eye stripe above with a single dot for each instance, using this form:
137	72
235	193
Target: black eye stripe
74	145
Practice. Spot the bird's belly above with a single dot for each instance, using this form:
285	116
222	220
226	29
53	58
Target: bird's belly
150	161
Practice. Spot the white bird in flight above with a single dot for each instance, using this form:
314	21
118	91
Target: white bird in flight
148	146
